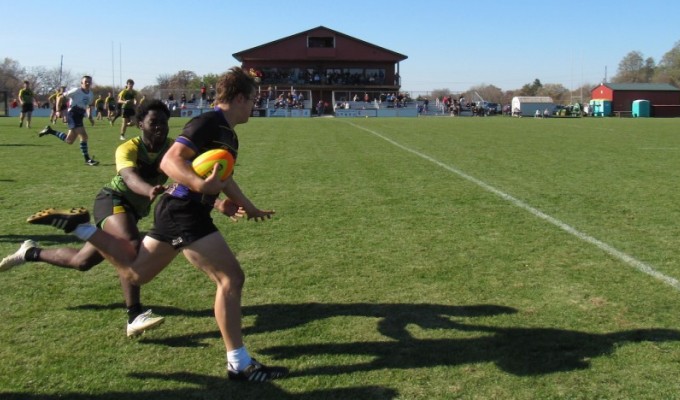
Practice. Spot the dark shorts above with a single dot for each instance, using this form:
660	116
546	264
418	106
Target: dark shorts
109	202
27	107
180	222
75	117
128	113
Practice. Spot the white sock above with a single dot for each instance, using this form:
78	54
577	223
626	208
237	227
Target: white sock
238	359
84	231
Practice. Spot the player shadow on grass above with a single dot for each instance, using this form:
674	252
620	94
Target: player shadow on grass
211	387
22	145
519	351
516	350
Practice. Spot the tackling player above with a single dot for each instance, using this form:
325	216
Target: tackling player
118	208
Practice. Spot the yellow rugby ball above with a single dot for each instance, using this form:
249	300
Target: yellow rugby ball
203	164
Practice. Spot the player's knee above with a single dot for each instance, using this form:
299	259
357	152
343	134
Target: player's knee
233	281
85	265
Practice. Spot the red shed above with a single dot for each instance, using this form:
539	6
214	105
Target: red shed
664	98
323	60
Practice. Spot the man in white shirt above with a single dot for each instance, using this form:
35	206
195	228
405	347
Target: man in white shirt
80	104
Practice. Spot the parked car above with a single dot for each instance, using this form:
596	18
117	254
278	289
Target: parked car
491	108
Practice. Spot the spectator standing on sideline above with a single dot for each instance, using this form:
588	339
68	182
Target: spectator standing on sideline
118	208
319	108
80	104
26	100
183	223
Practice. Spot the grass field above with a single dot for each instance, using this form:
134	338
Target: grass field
428	258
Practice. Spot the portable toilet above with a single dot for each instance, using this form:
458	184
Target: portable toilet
601	107
641	108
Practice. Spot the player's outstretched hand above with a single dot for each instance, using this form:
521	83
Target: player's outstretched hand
260	215
230	209
155	191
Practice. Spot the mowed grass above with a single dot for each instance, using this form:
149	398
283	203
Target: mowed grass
406	260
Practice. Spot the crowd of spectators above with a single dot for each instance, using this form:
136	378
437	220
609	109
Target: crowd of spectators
313	76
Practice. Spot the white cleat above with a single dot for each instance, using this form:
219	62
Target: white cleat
144	321
17	258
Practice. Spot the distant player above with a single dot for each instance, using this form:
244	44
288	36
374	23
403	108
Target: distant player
63	105
80	104
26	99
117	209
99	106
52	100
127	99
111	106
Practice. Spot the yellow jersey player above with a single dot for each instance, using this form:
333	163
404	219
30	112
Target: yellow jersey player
26	99
127	99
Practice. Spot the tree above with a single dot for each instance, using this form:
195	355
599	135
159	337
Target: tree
668	70
439	93
46	81
489	93
11	75
634	69
582	94
530	89
210	79
185	79
181	80
163	81
556	91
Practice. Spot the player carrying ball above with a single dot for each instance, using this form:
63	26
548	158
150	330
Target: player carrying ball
183	223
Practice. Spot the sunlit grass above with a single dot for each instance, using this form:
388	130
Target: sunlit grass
387	272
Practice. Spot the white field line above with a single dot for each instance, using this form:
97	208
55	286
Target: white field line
633	262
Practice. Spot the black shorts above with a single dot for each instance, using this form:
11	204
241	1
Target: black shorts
27	107
109	202
180	222
128	113
75	117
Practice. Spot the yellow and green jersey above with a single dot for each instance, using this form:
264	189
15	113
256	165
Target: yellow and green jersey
134	154
26	96
128	96
53	98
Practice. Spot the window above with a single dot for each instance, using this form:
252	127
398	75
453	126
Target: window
321	42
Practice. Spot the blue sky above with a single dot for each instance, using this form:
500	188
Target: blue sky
449	44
